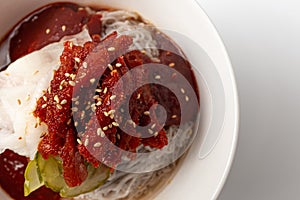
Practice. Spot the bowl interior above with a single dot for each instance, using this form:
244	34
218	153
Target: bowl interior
211	154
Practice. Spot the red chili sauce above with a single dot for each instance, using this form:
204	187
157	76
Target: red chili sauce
49	24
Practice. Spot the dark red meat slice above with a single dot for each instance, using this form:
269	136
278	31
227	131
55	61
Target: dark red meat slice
12	168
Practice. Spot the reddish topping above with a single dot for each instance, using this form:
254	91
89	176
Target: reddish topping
46	26
80	70
75	171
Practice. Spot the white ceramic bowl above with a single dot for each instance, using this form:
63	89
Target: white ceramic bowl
207	164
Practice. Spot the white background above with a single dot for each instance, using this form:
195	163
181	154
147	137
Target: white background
263	42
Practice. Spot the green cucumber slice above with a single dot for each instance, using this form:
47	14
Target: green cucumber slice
52	174
33	180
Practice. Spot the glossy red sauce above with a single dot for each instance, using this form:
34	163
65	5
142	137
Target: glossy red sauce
50	24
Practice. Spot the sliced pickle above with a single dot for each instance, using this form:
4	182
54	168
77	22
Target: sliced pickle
52	174
33	180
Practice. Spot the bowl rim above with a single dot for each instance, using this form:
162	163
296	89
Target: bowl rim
234	146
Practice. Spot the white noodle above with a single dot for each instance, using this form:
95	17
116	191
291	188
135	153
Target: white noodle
132	186
128	23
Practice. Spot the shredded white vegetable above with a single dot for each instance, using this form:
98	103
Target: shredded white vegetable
123	185
128	23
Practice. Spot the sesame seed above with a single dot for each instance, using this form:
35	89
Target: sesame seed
19	101
98	103
111	49
105	113
75	123
60	87
86	142
112	116
98	144
47	31
182	90
76	103
71	44
111	112
112	97
69	121
115	124
122	110
28	97
77	59
49	90
138	96
98	90
155	134
45	98
105	128
186	98
79	141
63	28
36	72
87	107
118	136
44	105
67	74
82	114
146	113
102	134
143	52
150	131
75	99
96	97
174	116
73	76
110	126
84	65
153	126
118	64
63	102
105	90
72	83
92	80
171	64
110	67
74	109
157	77
56	99
99	131
62	82
38	120
59	106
